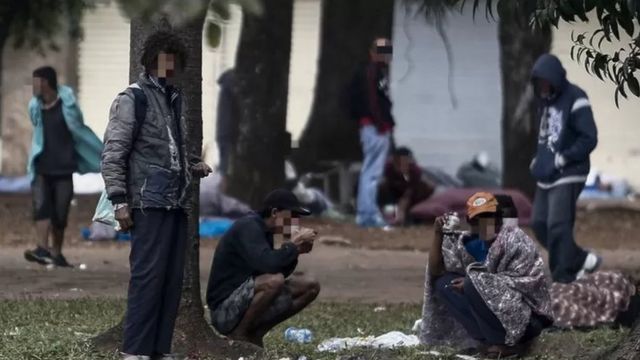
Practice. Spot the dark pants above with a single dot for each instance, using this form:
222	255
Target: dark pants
554	217
224	151
158	243
474	315
52	197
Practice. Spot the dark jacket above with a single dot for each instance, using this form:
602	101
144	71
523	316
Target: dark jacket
369	95
227	116
244	251
148	164
567	127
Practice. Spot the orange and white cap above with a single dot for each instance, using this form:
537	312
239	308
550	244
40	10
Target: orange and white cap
481	203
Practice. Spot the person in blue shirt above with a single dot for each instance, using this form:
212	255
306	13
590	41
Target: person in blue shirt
567	136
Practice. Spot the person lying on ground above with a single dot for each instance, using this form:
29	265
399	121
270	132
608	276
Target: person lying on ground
251	287
604	298
479	172
403	185
486	290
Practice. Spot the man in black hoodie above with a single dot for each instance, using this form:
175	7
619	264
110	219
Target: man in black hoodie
567	137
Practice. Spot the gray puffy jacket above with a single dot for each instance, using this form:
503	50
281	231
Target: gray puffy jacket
147	164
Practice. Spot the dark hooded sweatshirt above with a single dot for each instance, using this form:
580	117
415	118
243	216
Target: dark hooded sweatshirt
567	129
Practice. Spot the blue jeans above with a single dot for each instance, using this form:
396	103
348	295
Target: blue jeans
375	148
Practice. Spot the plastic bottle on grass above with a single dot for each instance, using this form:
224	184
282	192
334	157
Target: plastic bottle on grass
300	336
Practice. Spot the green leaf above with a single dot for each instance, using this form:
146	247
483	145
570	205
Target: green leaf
213	34
594	35
626	20
614	28
633	85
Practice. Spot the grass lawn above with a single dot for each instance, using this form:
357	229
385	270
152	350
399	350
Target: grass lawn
52	330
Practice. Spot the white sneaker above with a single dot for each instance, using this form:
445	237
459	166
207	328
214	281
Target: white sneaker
135	357
169	357
591	264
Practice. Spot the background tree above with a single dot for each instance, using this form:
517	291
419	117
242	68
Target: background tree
347	30
256	164
619	66
34	24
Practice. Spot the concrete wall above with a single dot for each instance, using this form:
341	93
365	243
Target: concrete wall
440	134
618	151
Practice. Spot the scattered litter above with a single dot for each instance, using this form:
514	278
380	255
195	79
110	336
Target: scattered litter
75	290
284	359
335	241
439	354
359	330
303	358
300	336
80	334
82	267
380	309
14	332
391	340
417	326
50	266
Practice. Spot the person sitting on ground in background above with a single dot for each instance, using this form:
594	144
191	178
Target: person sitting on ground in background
61	145
403	185
313	199
479	173
486	287
250	288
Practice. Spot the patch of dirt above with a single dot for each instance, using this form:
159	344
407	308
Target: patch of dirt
378	267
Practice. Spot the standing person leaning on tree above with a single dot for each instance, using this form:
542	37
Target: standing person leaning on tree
148	170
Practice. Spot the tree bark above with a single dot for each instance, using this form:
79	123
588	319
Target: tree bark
193	336
256	163
348	28
520	46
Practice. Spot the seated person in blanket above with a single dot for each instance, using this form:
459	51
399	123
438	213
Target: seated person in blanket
485	290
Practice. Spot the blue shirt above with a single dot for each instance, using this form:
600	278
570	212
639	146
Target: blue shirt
477	248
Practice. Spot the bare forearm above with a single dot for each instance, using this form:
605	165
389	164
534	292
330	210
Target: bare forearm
436	262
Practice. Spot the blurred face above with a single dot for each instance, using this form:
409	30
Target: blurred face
382	51
166	65
38	84
543	88
286	223
403	163
487	228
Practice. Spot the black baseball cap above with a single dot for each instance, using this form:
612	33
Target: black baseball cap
283	199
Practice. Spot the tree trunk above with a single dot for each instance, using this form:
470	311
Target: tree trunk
256	164
193	336
4	33
520	46
348	28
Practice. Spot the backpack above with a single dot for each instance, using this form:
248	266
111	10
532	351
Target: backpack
104	210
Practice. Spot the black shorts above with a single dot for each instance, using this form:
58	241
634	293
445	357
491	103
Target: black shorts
52	197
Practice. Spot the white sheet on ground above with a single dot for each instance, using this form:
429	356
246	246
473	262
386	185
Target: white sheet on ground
391	340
